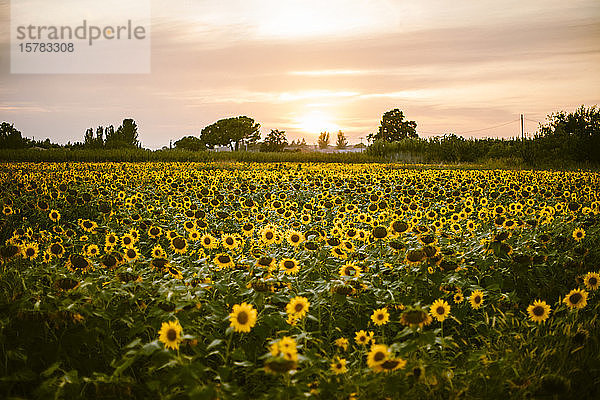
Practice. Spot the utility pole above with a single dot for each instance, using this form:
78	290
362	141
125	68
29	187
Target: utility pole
522	132
361	143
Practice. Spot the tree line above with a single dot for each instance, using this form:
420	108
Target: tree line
564	138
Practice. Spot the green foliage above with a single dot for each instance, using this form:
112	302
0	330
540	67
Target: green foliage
341	142
393	127
232	132
191	143
274	142
323	140
10	137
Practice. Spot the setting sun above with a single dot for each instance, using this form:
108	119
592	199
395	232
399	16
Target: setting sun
317	122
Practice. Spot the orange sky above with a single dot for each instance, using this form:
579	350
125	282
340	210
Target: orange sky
306	66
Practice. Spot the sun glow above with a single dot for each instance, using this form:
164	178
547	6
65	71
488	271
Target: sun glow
316	122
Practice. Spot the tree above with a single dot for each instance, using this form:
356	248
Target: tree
393	127
275	141
323	141
10	137
126	135
233	132
574	135
342	142
190	143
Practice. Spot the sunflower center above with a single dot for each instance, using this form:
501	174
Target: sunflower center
30	252
131	253
593	281
380	316
242	317
229	241
79	262
295	238
289	264
379	356
538	311
380	232
178	243
171	335
390	364
477	299
440	310
298	307
269	235
575	298
224	259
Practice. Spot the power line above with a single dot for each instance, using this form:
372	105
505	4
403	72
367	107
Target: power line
477	130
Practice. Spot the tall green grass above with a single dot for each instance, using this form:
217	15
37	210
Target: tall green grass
63	155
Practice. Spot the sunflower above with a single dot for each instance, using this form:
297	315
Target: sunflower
56	249
224	260
342	343
110	241
379	232
439	310
131	254
194	236
578	234
350	269
539	311
458	298
380	316
377	355
339	253
92	250
247	229
591	280
267	235
154	232
7	210
577	298
298	306
363	338
208	241
415	316
54	215
476	299
127	240
415	256
243	317
228	241
158	252
289	266
294	238
109	260
174	272
78	262
389	365
88	225
179	245
338	366
30	251
266	262
170	334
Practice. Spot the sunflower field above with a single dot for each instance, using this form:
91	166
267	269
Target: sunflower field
297	280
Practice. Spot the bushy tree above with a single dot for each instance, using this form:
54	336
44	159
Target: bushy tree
10	137
323	141
275	141
190	143
233	132
342	142
393	127
126	135
573	135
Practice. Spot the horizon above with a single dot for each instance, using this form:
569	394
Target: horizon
307	67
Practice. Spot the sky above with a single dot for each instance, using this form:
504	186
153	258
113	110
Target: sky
464	67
